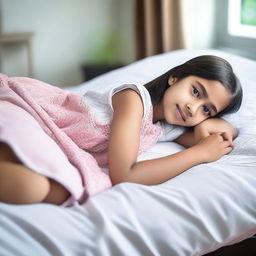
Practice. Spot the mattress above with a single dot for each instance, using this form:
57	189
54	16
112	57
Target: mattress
207	207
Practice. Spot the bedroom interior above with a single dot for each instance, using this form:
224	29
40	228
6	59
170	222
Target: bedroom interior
136	40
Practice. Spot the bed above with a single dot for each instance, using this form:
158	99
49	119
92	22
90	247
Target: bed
203	209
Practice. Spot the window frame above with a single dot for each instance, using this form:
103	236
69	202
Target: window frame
235	27
239	45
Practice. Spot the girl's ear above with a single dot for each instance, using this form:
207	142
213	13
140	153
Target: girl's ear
172	80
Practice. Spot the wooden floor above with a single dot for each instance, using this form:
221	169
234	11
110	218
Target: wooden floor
244	248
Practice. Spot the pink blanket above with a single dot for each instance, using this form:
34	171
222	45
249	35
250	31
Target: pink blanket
63	117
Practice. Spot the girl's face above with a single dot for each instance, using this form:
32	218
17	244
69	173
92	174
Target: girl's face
191	100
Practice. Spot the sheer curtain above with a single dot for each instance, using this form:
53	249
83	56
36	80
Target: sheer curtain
158	26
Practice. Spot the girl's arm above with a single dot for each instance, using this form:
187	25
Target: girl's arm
124	145
186	139
206	128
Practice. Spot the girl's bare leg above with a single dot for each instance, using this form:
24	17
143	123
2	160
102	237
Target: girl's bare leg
20	185
57	193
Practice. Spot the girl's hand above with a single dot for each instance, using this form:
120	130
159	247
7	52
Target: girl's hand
213	147
215	125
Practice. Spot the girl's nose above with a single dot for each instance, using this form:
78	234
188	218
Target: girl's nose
189	109
192	108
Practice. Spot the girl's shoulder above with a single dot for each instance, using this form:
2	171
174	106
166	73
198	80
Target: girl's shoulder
140	89
99	100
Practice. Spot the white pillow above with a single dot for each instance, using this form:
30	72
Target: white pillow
147	69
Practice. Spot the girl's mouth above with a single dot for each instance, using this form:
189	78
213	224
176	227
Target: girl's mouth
181	113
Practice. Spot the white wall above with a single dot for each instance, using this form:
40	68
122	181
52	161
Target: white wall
198	23
65	33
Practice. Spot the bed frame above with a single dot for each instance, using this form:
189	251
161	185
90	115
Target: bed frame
246	247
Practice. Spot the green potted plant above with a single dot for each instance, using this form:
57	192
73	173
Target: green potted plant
103	55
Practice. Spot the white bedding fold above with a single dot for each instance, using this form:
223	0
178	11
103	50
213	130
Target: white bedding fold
194	213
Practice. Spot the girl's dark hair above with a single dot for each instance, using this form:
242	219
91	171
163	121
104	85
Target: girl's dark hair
207	67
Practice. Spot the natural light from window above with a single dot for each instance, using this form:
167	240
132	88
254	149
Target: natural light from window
242	18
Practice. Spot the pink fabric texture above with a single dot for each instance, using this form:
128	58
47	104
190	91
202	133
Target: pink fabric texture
66	119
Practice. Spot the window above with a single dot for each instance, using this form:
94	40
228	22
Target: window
242	18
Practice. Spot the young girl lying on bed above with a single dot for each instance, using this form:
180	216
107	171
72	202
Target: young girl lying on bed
114	126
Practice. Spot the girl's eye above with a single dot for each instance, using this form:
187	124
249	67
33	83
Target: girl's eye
206	110
196	92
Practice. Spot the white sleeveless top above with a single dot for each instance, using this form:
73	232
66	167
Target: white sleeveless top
100	106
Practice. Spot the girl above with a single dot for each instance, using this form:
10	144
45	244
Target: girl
120	123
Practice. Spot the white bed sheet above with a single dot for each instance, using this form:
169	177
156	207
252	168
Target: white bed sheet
205	208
